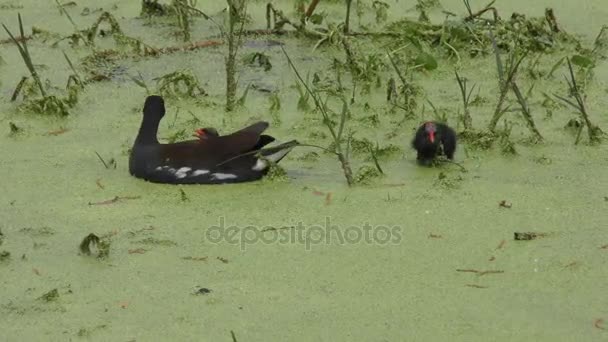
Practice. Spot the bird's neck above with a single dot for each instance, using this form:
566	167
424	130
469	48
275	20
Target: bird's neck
147	132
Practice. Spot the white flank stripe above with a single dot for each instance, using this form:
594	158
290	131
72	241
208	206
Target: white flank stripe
182	172
222	176
199	172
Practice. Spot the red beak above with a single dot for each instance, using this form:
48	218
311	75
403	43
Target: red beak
432	137
200	133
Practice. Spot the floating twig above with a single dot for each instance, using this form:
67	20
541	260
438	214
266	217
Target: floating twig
98	182
480	273
527	236
114	200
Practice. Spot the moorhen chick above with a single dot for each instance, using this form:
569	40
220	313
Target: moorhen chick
433	139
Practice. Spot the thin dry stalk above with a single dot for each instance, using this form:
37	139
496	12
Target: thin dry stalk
311	8
347	20
340	151
525	110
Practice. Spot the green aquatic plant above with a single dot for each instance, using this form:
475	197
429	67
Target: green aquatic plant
381	9
182	11
448	181
5	256
50	296
87	36
506	75
102	246
507	146
384	152
275	107
275	173
153	8
407	91
303	104
372	120
259	59
241	101
309	157
179	84
367	175
182	196
507	82
439	114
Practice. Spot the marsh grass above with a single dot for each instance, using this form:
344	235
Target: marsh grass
275	107
506	75
78	34
466	93
407	92
25	54
241	101
46	103
87	36
236	21
182	11
594	132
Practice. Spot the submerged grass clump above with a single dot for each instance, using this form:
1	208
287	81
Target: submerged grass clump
367	175
179	84
5	256
93	244
51	296
276	173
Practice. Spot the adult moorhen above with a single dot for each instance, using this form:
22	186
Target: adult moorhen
233	158
433	139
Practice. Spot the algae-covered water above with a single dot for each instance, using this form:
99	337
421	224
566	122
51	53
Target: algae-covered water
421	254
